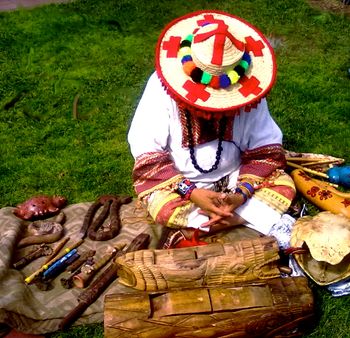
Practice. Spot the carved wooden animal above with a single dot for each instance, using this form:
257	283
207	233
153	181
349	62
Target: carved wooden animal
212	264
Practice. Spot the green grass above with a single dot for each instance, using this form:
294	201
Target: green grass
103	51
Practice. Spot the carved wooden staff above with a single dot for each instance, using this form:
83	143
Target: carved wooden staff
89	296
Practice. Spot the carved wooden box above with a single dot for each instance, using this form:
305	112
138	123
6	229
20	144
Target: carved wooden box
279	307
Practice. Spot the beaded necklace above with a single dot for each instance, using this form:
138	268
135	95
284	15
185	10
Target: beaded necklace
222	127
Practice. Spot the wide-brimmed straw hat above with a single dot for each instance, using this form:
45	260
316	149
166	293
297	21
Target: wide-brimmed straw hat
214	62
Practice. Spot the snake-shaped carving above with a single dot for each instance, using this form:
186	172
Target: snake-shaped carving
44	231
94	228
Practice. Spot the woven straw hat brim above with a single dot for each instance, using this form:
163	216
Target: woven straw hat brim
255	84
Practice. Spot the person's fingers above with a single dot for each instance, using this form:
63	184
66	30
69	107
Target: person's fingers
212	221
222	212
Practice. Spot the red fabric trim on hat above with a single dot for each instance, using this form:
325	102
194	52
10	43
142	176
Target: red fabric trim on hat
221	24
254	46
249	107
172	46
196	91
220	33
250	85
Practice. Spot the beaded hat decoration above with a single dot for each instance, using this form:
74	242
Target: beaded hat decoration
214	61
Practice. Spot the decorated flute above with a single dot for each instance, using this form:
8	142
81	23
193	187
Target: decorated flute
33	276
61	264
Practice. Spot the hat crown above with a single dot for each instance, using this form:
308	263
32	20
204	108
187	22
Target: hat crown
215	48
214	62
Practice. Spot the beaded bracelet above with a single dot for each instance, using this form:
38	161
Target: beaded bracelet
239	191
185	188
248	186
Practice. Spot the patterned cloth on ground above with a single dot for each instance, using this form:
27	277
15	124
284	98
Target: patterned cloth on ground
30	310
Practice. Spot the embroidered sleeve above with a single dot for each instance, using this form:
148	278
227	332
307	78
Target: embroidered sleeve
153	171
262	162
155	177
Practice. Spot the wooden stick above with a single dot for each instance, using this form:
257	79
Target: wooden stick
58	248
75	106
305	159
320	163
314	172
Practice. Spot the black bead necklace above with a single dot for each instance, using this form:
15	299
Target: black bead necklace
222	127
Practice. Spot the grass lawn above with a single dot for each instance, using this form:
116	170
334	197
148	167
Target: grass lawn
71	76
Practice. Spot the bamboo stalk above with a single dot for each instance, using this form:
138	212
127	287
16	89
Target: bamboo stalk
305	159
320	163
314	172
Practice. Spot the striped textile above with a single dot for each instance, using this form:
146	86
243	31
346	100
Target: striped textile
261	162
152	171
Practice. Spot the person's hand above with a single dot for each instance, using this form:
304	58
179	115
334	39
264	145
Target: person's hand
233	201
210	202
228	204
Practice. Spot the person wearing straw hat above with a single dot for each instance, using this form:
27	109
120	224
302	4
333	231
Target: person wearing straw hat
208	154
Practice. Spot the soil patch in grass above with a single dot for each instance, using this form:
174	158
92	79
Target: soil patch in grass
335	6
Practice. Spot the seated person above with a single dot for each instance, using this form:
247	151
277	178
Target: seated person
208	155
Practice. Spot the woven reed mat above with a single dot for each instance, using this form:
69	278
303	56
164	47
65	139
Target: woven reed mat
30	310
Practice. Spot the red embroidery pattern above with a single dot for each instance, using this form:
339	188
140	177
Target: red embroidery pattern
196	91
152	169
172	46
313	191
204	130
254	46
346	202
262	161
